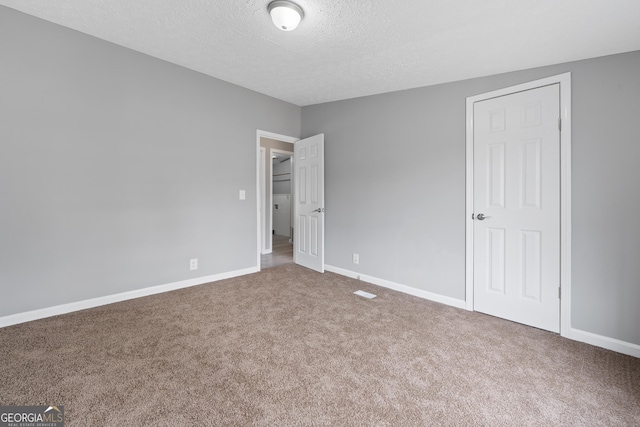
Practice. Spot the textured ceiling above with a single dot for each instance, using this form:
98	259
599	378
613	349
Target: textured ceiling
350	48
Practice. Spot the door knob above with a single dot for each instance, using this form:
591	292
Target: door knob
481	217
318	210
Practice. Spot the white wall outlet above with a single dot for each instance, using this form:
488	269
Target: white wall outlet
356	259
242	195
193	264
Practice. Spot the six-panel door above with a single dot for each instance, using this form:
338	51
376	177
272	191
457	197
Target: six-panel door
308	246
517	190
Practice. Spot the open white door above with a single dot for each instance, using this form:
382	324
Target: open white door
308	179
516	227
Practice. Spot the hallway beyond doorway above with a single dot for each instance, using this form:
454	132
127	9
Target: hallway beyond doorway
282	253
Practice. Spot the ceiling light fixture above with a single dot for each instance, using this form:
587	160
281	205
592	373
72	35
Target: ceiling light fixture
285	14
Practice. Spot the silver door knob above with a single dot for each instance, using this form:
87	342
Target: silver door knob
481	217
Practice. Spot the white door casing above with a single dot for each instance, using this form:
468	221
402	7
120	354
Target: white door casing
517	207
262	200
308	246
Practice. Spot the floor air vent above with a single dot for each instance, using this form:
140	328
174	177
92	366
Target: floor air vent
365	294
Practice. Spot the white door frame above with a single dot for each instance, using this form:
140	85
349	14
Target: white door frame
564	80
259	191
262	204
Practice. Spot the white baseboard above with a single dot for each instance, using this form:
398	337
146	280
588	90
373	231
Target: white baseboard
13	319
28	316
575	334
605	342
398	287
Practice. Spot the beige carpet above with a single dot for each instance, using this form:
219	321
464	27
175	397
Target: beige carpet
289	347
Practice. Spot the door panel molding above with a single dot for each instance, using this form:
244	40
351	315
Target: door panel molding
564	81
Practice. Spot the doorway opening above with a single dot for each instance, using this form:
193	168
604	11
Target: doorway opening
281	210
307	196
275	199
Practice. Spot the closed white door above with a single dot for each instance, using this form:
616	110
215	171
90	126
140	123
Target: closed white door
516	203
308	246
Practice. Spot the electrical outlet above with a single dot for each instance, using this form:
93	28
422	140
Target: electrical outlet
193	264
356	259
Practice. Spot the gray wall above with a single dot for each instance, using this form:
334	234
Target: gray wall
117	168
395	186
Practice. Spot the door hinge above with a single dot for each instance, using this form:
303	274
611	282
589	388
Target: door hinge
559	292
560	124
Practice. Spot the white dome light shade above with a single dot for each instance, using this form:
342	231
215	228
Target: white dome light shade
285	15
